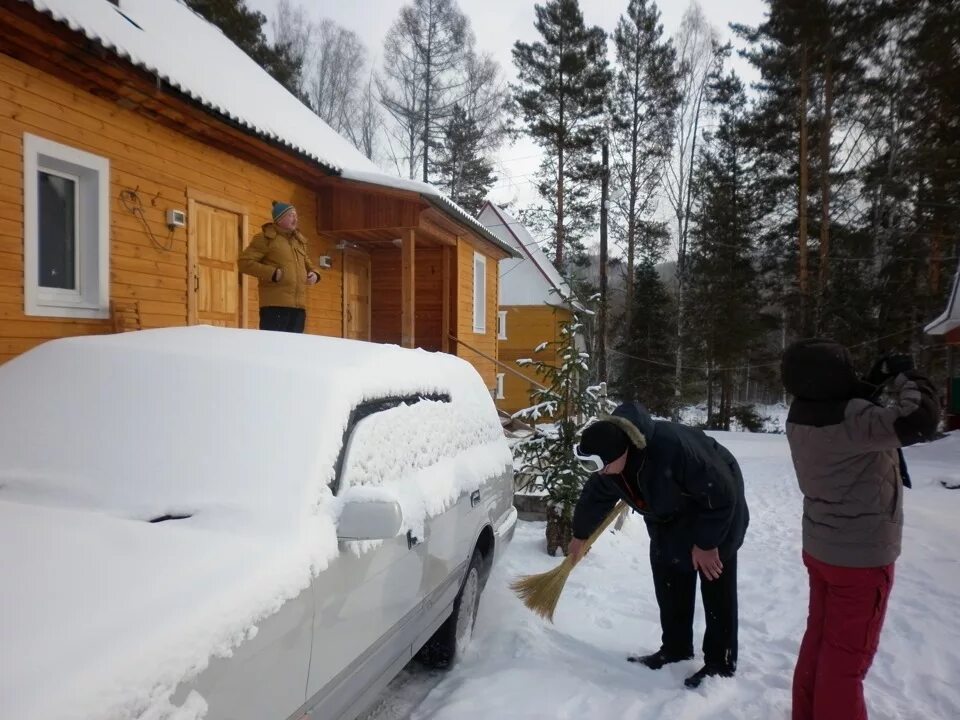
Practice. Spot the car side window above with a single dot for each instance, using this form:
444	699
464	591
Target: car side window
392	443
361	435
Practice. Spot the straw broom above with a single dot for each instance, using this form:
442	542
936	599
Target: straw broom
541	593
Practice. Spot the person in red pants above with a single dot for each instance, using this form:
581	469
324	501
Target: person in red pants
845	449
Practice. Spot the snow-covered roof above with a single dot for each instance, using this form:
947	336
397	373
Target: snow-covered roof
171	41
531	280
950	319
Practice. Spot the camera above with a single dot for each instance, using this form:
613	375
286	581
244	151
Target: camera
889	366
898	363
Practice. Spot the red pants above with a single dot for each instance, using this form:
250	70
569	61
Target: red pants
847	607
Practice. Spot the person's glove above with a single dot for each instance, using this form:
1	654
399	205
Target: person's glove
312	278
277	275
889	366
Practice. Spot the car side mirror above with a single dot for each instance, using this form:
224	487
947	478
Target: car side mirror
370	520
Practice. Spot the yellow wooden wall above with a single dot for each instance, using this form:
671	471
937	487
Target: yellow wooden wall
527	327
486	343
164	165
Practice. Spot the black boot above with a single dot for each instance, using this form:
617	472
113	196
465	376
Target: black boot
660	658
706	671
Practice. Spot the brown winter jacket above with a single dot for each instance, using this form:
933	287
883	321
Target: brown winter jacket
274	248
845	455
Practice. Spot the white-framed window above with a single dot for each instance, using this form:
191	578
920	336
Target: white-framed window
500	380
479	293
502	325
66	224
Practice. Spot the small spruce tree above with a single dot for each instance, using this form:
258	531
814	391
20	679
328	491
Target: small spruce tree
566	405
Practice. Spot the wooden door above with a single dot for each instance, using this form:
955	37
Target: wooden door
216	237
356	296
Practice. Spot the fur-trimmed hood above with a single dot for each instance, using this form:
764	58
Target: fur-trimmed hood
635	422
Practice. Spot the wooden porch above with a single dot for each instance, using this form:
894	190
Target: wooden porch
400	264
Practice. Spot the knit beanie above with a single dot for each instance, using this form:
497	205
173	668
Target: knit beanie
605	439
280	209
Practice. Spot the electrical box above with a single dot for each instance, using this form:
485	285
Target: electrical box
325	262
176	219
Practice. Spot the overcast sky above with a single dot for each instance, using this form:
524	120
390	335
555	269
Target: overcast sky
498	24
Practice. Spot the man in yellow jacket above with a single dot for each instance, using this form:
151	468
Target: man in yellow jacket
278	257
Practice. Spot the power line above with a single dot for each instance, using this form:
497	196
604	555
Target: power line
753	365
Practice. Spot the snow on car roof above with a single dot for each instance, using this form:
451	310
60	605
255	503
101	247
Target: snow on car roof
191	420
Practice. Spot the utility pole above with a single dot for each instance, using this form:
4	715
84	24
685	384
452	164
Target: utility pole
602	319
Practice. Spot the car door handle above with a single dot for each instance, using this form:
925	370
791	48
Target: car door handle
411	539
475	498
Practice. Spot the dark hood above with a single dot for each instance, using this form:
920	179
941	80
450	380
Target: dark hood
637	417
819	369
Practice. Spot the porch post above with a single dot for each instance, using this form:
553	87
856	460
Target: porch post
407	290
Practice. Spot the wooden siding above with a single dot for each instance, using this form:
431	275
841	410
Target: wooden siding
385	310
164	166
527	327
429	299
486	342
385	296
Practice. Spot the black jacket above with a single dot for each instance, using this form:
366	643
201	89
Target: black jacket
686	485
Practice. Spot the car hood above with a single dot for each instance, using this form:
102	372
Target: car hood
103	616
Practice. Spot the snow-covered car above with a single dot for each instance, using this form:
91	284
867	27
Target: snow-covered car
234	524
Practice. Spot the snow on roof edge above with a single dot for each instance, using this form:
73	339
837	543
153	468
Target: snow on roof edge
537	258
182	89
429	192
950	318
451	208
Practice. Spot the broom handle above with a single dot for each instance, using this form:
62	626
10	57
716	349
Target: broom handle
606	523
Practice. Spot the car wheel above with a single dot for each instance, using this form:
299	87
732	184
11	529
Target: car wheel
452	638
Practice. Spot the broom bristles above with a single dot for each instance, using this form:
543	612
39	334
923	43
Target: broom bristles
541	592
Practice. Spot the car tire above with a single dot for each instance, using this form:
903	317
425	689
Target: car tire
452	638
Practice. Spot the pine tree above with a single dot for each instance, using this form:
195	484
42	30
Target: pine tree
725	319
563	81
876	80
568	404
811	56
245	28
920	215
463	172
645	372
643	106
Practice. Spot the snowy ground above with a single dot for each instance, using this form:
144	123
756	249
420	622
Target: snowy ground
774	417
521	667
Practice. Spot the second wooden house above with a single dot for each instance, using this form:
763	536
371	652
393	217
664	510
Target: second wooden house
533	308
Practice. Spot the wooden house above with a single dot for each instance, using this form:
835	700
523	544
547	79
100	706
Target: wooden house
948	325
532	308
140	150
